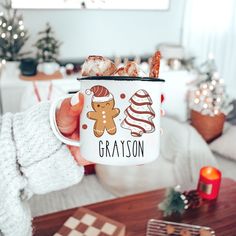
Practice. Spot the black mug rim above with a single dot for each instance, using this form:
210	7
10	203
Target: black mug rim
122	78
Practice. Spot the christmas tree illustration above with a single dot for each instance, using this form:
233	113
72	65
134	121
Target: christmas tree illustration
139	115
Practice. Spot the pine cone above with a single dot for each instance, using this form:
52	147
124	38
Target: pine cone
193	199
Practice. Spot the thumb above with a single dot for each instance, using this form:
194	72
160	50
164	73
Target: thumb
77	103
68	113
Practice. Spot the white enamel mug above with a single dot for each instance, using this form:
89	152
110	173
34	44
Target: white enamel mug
120	120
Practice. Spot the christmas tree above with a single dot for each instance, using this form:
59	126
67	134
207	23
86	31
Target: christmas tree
47	46
208	95
12	33
139	115
177	202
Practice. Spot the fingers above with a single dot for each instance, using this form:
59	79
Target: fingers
66	122
68	114
75	135
75	151
77	103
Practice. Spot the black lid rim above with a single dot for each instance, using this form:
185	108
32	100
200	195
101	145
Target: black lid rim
122	78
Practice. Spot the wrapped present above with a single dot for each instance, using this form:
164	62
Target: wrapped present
88	223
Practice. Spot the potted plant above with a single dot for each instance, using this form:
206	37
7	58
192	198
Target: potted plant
209	103
47	51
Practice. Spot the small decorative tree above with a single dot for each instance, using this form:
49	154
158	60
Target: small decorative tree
209	103
177	202
12	33
47	46
139	115
208	95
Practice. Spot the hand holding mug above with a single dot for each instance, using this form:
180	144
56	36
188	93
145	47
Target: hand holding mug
67	119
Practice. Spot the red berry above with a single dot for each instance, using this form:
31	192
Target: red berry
84	126
122	96
162	98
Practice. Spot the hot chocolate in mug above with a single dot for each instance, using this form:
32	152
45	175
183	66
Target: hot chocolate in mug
120	120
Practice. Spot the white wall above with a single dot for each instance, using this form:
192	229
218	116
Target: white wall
108	32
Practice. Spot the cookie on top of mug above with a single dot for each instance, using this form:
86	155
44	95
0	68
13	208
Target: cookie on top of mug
102	66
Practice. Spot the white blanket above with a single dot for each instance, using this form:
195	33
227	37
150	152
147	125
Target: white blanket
183	153
187	150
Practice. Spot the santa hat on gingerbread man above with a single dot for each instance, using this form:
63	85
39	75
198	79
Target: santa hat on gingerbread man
100	93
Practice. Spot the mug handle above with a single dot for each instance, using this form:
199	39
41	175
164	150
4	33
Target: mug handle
53	123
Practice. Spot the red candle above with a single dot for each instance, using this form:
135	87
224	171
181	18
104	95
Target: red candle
209	182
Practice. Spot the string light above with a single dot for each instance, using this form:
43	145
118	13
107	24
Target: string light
9	28
209	95
204	86
21	27
20	22
216	75
15	36
213	82
0	22
4	25
2	62
22	34
3	35
196	100
205	105
211	87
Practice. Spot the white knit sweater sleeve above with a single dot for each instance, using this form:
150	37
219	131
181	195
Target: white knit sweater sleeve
32	160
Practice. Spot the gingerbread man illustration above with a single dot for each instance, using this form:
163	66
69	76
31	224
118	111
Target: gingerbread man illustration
103	104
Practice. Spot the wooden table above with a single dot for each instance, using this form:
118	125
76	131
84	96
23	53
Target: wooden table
135	210
41	76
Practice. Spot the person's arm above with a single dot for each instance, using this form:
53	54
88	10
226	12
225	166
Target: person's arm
15	218
32	160
46	163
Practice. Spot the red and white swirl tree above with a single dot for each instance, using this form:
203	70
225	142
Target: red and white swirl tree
139	115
